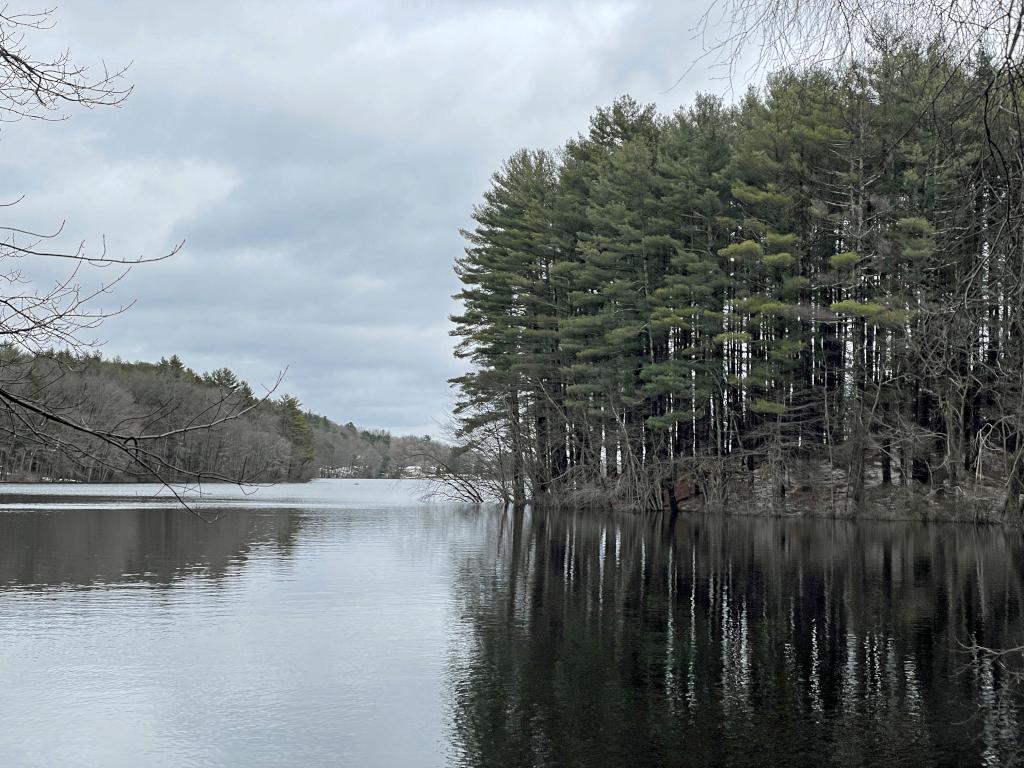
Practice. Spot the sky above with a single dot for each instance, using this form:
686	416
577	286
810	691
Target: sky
318	160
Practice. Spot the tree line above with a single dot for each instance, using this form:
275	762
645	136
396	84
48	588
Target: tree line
810	297
238	435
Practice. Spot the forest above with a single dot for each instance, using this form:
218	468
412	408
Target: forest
210	426
806	300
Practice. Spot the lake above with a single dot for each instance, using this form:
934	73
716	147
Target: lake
344	623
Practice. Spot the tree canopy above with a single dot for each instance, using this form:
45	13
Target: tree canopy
815	291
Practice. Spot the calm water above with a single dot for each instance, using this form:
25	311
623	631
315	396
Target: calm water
341	623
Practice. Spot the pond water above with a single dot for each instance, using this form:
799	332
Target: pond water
343	623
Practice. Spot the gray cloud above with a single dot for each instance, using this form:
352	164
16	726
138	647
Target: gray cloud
319	162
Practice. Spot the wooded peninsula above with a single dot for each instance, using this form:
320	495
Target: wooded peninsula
811	300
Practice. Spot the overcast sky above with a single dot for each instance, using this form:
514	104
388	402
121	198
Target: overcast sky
318	158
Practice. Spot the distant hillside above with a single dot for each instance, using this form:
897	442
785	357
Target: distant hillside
272	440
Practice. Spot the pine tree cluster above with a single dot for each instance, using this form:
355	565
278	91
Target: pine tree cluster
814	293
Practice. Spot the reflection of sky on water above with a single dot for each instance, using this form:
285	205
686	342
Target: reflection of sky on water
272	637
343	623
317	494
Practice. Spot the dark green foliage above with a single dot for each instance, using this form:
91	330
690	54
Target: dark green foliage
755	292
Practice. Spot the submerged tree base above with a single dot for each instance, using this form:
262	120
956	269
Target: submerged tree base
813	492
906	503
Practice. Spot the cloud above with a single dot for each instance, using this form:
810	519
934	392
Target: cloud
319	158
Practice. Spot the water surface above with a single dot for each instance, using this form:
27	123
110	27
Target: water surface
343	623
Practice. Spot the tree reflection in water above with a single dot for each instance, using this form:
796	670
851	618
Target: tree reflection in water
80	548
613	641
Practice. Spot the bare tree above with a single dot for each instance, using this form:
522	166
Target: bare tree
799	33
39	88
475	467
63	315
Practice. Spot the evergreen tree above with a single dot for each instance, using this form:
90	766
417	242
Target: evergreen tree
818	288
